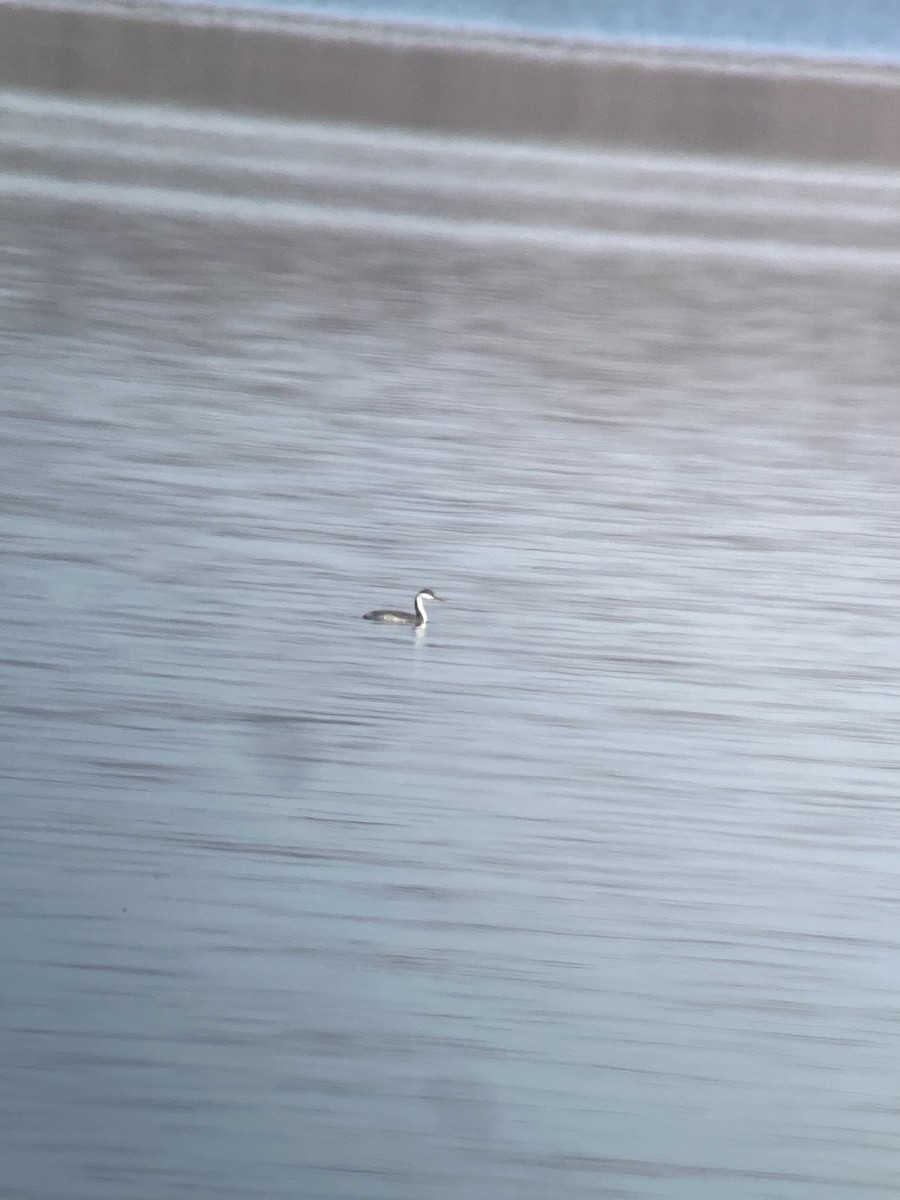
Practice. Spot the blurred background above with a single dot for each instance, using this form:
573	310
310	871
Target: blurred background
586	317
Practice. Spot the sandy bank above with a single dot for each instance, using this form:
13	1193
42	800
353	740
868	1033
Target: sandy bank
296	65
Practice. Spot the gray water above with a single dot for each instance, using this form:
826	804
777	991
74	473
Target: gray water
592	890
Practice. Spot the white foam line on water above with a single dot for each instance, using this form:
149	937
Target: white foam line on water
339	219
125	118
664	196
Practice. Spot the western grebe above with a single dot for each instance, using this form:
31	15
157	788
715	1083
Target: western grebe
390	616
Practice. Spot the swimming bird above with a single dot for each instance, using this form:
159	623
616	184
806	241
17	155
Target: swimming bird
391	616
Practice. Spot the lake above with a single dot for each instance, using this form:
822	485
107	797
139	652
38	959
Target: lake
590	890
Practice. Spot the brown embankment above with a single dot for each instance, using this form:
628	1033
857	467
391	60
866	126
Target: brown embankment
508	86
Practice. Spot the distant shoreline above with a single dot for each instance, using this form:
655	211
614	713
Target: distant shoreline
470	82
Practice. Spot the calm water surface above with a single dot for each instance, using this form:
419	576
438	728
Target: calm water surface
590	891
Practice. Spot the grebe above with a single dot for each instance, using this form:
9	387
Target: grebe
390	616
